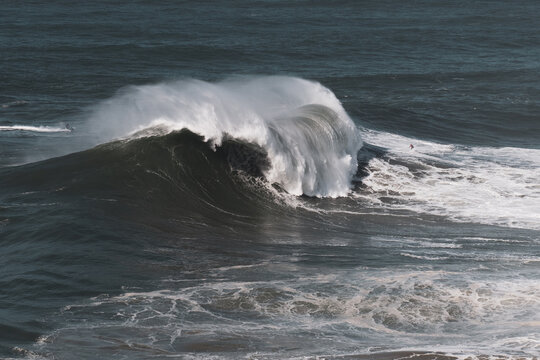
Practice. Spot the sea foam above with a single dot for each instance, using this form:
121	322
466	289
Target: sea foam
40	129
497	186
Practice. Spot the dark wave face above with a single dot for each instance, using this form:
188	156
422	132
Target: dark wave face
170	173
377	197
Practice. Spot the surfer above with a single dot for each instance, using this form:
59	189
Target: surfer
69	127
411	146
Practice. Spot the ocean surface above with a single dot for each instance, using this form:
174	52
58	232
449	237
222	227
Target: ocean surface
269	179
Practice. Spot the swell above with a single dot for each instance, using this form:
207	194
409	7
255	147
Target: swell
169	175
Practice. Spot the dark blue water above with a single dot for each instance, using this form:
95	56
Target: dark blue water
236	180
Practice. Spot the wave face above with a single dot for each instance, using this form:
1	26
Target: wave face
310	141
176	175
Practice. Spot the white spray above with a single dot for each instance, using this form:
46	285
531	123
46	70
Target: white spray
310	140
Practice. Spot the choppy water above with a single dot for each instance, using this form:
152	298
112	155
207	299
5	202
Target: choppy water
235	180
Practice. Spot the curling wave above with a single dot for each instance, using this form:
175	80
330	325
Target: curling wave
310	141
176	174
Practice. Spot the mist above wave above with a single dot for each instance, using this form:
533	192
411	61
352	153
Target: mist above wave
310	140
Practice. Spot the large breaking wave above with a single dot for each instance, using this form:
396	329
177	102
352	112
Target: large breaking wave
310	142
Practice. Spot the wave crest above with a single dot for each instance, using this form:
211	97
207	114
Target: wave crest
310	140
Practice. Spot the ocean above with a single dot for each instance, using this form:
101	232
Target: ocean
270	179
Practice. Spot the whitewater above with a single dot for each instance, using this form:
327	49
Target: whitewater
497	186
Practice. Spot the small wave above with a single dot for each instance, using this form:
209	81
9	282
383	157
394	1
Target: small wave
14	103
423	257
40	129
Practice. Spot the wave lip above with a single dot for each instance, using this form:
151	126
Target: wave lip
318	146
310	140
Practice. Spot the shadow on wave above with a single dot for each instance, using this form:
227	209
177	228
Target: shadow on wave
178	173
